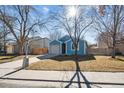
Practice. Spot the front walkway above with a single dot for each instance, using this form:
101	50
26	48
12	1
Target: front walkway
33	78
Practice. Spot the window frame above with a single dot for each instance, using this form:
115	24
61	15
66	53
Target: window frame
72	46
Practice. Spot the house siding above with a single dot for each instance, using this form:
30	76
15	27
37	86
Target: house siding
81	50
38	44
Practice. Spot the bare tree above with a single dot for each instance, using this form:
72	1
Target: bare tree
73	20
3	37
106	39
54	34
110	20
19	21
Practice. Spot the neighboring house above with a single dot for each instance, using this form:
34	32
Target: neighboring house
105	44
92	46
38	42
103	49
104	40
38	45
65	46
11	48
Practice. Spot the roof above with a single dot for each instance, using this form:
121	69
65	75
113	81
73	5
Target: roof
37	38
55	42
11	43
65	38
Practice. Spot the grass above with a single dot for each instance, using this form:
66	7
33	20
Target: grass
87	63
4	59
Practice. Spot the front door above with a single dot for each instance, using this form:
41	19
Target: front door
63	48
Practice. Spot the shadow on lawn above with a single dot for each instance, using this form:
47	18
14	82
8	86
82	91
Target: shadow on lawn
78	74
69	57
7	58
120	59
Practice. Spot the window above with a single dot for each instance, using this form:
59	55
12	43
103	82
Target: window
73	46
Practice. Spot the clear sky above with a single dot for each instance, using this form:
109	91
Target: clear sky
44	10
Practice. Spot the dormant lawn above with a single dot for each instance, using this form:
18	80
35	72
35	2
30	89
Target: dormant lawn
87	63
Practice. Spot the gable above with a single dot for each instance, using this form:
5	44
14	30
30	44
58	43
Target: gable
55	42
64	39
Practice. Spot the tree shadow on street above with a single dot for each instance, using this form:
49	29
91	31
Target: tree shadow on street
79	76
78	73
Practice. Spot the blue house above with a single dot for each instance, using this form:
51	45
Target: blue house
65	46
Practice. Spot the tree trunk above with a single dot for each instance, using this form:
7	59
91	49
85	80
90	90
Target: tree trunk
113	52
76	61
21	48
77	68
4	48
113	49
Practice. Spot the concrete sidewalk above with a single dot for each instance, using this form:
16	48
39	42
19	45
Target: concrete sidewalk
13	66
9	67
62	78
18	63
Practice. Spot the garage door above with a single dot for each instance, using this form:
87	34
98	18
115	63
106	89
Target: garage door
55	49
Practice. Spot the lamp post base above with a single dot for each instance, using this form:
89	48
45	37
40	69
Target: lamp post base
25	62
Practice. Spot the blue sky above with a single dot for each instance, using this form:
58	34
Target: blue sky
44	10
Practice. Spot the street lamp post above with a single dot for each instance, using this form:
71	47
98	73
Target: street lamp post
26	58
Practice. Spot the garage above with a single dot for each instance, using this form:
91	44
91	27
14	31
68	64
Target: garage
55	47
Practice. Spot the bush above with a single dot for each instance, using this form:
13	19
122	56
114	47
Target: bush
118	53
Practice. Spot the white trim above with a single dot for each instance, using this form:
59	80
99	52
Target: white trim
60	48
66	44
67	40
66	48
59	41
84	48
54	40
